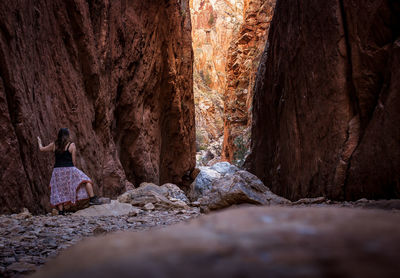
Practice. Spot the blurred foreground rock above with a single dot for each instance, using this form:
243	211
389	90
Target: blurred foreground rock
246	242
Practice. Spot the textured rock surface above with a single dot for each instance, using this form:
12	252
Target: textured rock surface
238	188
326	117
117	73
243	57
223	185
247	242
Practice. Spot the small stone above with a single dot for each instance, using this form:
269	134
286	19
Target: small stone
131	220
9	260
135	212
99	231
195	204
24	214
104	200
22	267
363	200
149	206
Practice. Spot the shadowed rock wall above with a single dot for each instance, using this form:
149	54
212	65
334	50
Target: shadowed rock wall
326	109
117	73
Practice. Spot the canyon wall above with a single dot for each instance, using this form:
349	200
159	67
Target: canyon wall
243	57
117	73
214	22
326	108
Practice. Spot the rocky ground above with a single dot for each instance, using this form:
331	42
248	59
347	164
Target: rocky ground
319	240
27	242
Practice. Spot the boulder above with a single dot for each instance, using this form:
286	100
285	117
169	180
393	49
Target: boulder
224	184
245	242
224	168
237	188
167	196
202	182
114	208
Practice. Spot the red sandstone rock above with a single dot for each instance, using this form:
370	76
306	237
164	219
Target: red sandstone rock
326	117
243	57
117	73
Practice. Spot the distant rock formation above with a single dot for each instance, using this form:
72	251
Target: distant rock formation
243	57
215	22
117	73
326	109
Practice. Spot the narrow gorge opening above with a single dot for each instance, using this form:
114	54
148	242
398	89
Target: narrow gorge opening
229	37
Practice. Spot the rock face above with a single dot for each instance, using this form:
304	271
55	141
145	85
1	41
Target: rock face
224	185
326	117
214	24
243	57
117	73
246	242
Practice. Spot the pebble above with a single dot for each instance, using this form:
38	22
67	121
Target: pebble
149	206
22	267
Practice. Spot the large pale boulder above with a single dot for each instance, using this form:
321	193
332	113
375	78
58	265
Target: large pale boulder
224	168
223	185
202	182
167	196
240	187
246	242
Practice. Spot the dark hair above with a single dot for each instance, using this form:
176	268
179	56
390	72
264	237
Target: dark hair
62	139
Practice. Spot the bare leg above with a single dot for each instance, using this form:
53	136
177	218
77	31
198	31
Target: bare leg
60	208
89	189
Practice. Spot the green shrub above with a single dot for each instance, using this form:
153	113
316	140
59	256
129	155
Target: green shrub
240	151
211	20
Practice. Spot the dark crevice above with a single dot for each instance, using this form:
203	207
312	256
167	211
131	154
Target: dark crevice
351	87
354	101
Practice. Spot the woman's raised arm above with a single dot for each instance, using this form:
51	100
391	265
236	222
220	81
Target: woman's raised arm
72	149
48	148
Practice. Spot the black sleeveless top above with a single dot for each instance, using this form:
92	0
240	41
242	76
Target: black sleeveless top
64	159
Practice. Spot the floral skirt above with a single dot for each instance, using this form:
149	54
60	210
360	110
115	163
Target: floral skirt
67	185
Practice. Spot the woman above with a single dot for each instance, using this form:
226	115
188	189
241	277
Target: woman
68	184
